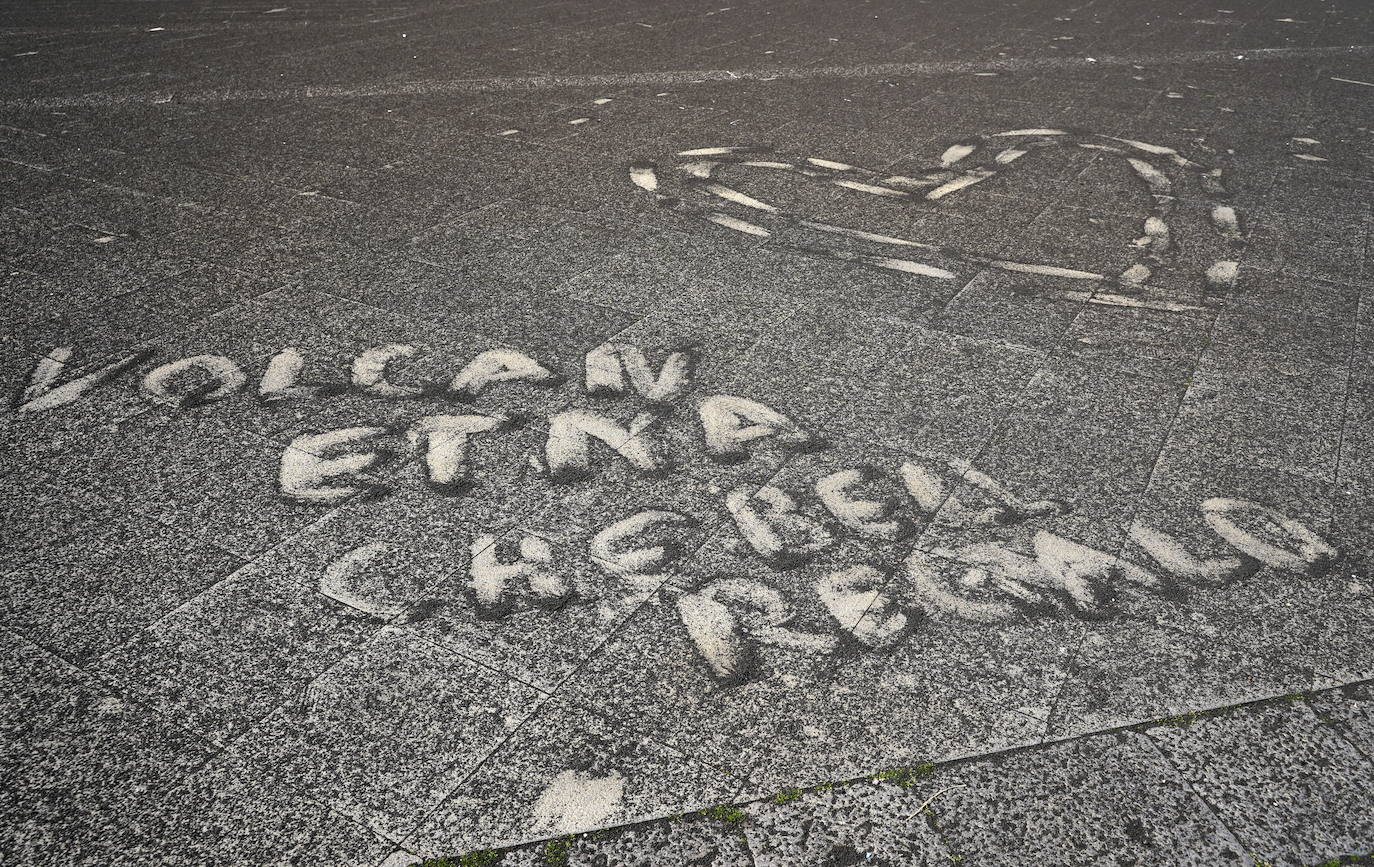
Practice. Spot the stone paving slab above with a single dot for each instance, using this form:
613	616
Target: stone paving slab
1214	788
433	428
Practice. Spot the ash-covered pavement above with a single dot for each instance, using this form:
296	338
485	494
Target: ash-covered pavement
443	426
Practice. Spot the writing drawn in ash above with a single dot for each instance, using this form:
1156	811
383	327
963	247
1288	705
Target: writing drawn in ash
692	184
874	549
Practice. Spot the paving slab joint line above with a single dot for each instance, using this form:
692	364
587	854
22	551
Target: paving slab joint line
737	814
1345	415
1187	785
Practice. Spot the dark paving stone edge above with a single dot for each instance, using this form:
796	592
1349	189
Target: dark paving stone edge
757	833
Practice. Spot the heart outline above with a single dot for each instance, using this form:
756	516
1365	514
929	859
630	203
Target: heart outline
697	167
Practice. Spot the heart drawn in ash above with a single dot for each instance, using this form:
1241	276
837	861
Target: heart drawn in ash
692	184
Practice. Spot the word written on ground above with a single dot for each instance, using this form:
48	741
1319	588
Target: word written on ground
729	618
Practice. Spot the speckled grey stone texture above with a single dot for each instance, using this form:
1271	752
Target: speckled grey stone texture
1290	786
902	229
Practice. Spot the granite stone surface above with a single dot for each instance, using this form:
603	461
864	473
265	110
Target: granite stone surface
681	433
